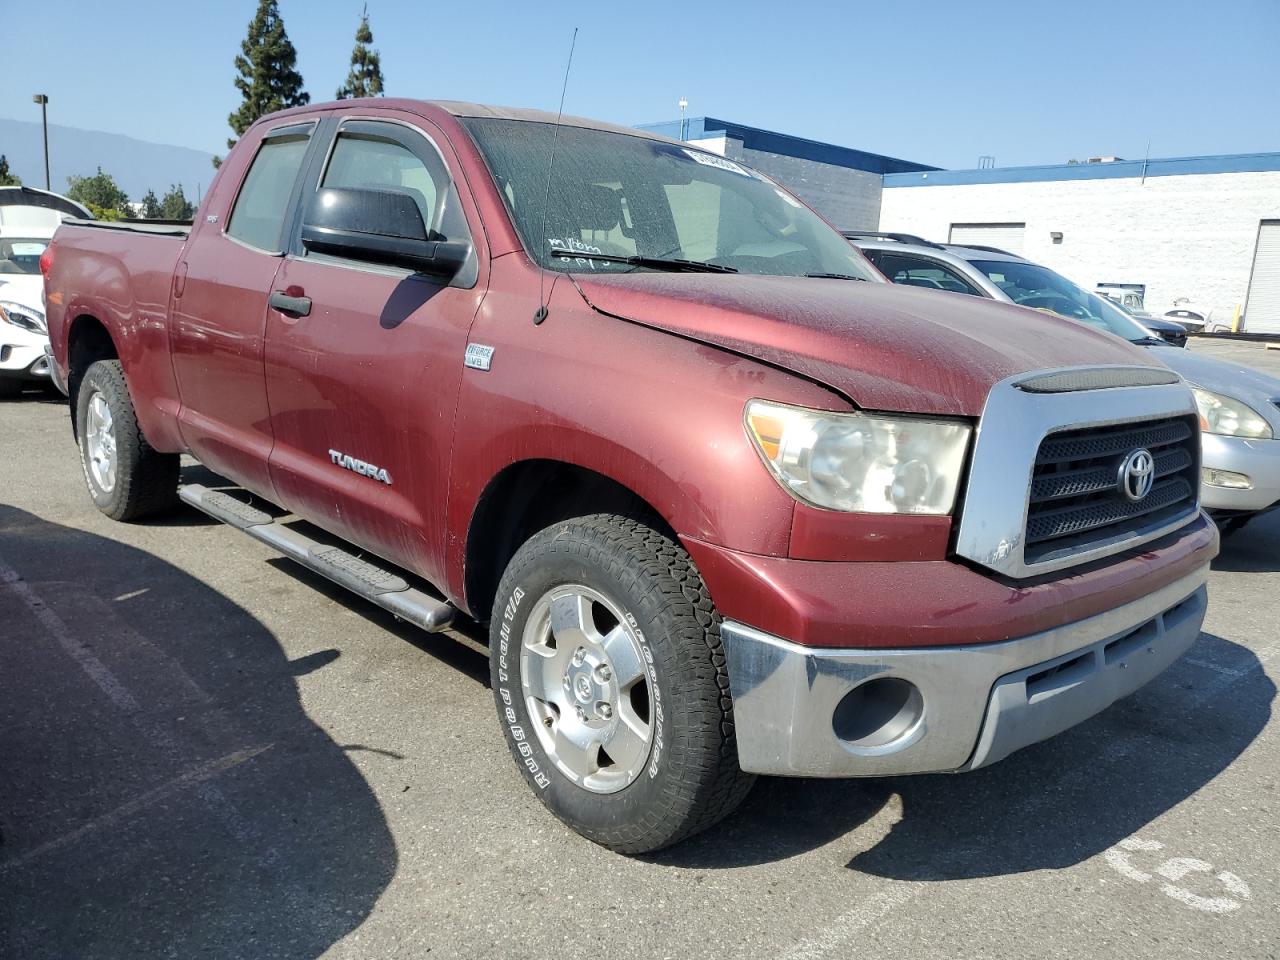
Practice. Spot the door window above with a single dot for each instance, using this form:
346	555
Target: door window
920	272
371	162
258	216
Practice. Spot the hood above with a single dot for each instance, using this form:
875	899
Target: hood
26	289
1259	390
885	347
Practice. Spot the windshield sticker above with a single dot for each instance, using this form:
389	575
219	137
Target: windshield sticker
711	160
577	246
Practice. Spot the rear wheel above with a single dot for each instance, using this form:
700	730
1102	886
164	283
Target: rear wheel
610	679
127	479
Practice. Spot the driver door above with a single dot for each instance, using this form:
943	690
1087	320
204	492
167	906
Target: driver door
362	386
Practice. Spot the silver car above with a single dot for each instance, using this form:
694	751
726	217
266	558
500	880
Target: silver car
1239	407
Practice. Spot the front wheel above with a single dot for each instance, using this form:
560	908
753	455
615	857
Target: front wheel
610	679
127	479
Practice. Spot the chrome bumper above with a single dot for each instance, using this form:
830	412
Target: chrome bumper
971	706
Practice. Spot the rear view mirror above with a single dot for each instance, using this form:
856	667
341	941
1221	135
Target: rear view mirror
378	226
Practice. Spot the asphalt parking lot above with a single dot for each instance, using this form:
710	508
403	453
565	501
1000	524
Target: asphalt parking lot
208	752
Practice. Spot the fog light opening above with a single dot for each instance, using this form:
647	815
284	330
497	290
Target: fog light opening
878	713
1225	478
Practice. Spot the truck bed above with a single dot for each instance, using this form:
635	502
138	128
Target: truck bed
164	228
124	271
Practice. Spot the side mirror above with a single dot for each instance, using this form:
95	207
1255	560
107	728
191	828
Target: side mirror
378	226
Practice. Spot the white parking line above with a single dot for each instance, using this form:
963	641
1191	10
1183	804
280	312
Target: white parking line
78	652
126	810
118	694
848	925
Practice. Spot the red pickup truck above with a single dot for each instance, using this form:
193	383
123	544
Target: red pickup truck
730	503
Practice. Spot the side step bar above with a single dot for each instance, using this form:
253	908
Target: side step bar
387	589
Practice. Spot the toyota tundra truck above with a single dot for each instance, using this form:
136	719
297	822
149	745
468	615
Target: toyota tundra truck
729	503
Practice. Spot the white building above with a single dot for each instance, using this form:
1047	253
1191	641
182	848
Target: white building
841	183
1200	232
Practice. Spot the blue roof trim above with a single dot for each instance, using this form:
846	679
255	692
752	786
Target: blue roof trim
753	138
1166	167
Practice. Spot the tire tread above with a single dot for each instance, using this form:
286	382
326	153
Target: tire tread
146	479
651	564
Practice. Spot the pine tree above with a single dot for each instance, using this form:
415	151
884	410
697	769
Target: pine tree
365	77
151	206
268	78
8	179
101	194
175	205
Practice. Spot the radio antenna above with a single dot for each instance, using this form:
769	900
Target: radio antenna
541	313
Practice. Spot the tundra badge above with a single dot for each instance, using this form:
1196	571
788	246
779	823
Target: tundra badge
479	356
359	466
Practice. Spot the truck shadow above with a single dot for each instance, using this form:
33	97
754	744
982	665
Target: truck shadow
459	648
1051	805
163	791
1253	549
43	393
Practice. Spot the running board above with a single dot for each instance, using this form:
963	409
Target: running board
387	589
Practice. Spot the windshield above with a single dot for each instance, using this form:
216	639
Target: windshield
21	255
622	196
1031	285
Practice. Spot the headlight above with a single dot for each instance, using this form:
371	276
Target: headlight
1228	417
860	463
27	318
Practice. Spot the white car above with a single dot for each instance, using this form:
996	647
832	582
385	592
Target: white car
28	219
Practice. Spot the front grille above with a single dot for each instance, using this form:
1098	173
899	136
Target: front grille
1075	501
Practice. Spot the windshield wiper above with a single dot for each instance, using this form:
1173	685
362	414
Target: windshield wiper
1150	342
655	263
835	276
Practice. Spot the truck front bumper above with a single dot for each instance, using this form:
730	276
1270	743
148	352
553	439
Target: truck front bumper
804	711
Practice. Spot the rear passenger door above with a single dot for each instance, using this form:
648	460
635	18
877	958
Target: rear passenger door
370	373
217	324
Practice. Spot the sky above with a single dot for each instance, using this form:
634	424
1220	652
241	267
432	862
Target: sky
935	82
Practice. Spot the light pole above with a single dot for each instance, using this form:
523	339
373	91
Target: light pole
43	100
684	105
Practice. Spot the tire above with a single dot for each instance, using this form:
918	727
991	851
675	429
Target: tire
636	597
141	481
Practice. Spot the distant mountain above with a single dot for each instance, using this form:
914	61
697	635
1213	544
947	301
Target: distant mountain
137	166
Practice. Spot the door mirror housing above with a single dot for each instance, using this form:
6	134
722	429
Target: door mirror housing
378	226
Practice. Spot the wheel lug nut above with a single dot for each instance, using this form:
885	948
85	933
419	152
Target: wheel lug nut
604	710
582	714
578	656
603	673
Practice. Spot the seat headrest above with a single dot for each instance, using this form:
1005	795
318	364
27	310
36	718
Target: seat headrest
597	208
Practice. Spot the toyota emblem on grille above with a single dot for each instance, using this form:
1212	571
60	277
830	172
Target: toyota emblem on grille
1137	475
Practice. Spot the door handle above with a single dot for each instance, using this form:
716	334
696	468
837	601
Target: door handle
293	306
